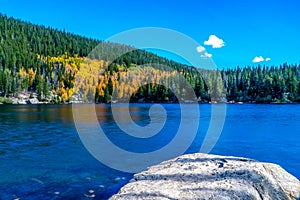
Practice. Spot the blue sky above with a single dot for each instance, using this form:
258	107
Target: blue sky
248	28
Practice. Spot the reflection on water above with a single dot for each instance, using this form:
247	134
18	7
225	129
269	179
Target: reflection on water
41	156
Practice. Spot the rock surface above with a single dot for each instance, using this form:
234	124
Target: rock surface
203	176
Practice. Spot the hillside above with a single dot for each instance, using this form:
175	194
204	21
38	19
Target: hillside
57	66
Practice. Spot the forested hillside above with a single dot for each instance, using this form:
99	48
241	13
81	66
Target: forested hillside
59	67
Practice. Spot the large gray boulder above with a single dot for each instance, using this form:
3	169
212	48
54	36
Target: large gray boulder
203	176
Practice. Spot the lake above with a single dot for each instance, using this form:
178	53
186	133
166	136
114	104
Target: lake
42	156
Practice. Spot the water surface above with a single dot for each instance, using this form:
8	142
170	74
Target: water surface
42	156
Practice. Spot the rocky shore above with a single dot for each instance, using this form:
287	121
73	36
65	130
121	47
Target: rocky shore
32	98
203	176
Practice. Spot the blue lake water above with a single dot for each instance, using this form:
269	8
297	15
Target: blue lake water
42	157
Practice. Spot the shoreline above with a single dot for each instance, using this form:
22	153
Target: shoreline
32	98
200	103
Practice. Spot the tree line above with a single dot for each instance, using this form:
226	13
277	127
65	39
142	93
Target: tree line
61	66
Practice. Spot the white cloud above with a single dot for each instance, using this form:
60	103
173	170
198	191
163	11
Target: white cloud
200	49
258	59
214	41
268	59
206	55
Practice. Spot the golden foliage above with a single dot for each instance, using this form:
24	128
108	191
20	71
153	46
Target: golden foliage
31	76
90	77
